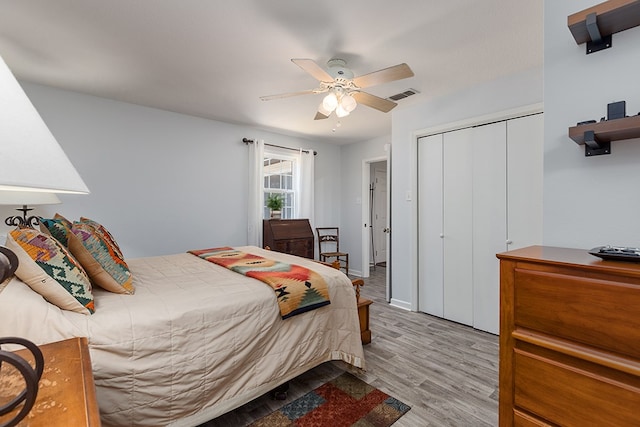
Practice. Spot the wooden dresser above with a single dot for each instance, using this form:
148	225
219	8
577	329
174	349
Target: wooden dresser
67	394
291	236
569	339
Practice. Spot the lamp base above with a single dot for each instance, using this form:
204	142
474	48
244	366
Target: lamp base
23	221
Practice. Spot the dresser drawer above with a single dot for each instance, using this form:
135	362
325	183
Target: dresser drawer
568	396
599	313
521	419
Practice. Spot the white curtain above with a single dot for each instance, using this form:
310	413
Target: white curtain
304	186
256	196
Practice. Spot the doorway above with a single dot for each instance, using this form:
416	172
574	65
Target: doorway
378	214
376	218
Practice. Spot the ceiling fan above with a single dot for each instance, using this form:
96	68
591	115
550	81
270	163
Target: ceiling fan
345	90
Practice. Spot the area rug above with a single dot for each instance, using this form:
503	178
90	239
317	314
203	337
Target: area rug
343	401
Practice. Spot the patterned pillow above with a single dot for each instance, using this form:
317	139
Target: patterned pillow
58	227
64	220
101	261
50	270
100	229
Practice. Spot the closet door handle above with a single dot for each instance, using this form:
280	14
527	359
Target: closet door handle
509	242
441	235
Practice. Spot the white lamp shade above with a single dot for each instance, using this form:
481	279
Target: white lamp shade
31	198
32	160
349	103
323	110
330	102
341	112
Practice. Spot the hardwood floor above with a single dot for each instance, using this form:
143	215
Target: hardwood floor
446	372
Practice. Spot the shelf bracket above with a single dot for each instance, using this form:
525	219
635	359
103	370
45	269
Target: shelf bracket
593	146
598	42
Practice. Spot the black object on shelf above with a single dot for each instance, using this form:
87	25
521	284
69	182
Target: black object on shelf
586	122
616	253
616	110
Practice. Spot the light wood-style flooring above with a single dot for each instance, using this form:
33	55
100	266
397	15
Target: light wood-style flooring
446	372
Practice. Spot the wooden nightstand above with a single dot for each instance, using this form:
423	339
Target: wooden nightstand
67	394
363	308
363	315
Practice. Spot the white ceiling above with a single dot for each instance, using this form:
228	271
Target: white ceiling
215	58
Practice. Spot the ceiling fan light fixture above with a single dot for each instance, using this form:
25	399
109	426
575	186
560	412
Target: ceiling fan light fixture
330	102
323	110
349	103
341	111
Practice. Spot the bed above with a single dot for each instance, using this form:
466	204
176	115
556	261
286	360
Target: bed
196	340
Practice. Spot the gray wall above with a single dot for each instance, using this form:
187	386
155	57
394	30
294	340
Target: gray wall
164	182
588	201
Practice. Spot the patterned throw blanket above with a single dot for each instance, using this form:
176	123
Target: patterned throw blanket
297	288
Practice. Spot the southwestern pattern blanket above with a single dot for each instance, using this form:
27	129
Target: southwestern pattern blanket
297	288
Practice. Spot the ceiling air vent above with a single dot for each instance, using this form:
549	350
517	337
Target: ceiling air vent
401	95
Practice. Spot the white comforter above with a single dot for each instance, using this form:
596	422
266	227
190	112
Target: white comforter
195	341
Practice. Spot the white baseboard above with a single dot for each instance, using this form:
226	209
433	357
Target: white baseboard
356	273
400	304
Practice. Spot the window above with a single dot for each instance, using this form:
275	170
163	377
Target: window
278	179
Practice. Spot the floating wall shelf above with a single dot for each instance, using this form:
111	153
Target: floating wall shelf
596	137
596	24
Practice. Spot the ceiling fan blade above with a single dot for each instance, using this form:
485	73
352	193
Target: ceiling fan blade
373	101
310	66
397	72
287	95
320	116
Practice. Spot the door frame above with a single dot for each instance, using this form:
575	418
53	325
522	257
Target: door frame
366	231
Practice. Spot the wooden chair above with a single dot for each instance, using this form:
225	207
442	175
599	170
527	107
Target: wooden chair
329	246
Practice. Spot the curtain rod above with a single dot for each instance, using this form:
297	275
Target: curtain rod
251	141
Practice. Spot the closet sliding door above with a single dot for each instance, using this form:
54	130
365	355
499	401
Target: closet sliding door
445	223
458	225
525	154
479	193
430	231
489	222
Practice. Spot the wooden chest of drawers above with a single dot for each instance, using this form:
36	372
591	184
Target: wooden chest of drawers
569	339
291	236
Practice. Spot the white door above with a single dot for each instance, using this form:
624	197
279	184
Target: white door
430	237
380	214
458	225
489	222
524	197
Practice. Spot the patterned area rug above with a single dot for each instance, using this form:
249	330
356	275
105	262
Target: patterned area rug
343	401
